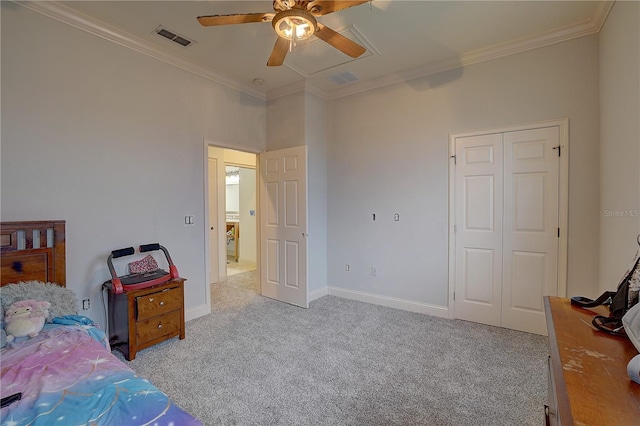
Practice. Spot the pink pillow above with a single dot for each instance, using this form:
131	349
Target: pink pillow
143	265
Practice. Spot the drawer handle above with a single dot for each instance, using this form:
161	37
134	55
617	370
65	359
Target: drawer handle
162	303
159	325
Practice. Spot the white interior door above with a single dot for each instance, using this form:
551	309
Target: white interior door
530	230
283	225
478	235
214	271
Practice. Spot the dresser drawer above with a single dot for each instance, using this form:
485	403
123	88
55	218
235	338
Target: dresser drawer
159	326
158	303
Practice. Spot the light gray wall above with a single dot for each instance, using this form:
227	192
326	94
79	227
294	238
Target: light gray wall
285	122
301	119
620	141
88	125
112	142
388	153
316	141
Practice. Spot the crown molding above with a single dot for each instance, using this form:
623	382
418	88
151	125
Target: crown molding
567	33
602	13
287	90
298	86
66	15
85	23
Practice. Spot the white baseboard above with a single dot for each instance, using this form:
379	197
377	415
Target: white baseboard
391	302
318	294
196	312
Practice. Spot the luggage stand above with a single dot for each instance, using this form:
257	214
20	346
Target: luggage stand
141	280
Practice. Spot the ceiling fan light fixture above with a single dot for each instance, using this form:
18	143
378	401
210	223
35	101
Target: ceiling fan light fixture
294	24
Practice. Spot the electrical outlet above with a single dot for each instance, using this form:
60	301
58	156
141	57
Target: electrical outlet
374	272
346	267
86	304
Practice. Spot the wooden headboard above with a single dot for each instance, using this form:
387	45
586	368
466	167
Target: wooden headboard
33	251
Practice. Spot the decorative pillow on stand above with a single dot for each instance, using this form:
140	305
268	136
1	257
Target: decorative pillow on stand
141	266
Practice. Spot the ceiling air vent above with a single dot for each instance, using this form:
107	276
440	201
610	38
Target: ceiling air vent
170	35
343	78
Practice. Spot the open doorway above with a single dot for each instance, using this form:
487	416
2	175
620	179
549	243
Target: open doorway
240	202
232	211
281	272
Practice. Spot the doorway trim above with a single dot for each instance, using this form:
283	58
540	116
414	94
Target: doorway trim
563	198
205	243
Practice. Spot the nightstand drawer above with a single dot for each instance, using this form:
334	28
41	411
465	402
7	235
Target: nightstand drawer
159	326
154	304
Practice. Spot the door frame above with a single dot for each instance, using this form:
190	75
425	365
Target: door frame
563	198
222	218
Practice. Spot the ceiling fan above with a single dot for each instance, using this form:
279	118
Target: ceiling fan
295	20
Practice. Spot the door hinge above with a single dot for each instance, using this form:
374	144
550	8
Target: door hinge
558	232
454	295
559	148
454	159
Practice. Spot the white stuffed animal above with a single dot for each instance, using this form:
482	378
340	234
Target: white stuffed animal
25	318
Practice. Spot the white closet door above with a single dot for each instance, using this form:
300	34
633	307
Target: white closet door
530	230
479	228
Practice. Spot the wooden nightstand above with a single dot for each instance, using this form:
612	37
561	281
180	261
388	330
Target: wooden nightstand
142	318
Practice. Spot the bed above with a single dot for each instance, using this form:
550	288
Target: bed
66	374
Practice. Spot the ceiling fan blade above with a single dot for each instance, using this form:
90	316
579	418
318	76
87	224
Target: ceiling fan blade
279	52
322	7
339	41
246	18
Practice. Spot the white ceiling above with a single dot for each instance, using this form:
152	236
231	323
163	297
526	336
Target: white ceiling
404	39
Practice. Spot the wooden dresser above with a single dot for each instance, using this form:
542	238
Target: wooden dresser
588	381
142	318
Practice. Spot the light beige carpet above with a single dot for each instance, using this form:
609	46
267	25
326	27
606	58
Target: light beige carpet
256	361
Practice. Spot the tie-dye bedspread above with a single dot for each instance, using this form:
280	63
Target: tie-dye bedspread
68	378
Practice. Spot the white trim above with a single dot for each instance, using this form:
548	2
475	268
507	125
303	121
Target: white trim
563	197
512	128
452	222
356	36
474	57
73	18
299	86
233	146
118	36
287	90
221	219
318	294
207	254
602	13
563	208
197	312
391	302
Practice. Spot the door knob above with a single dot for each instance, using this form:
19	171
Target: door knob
212	228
